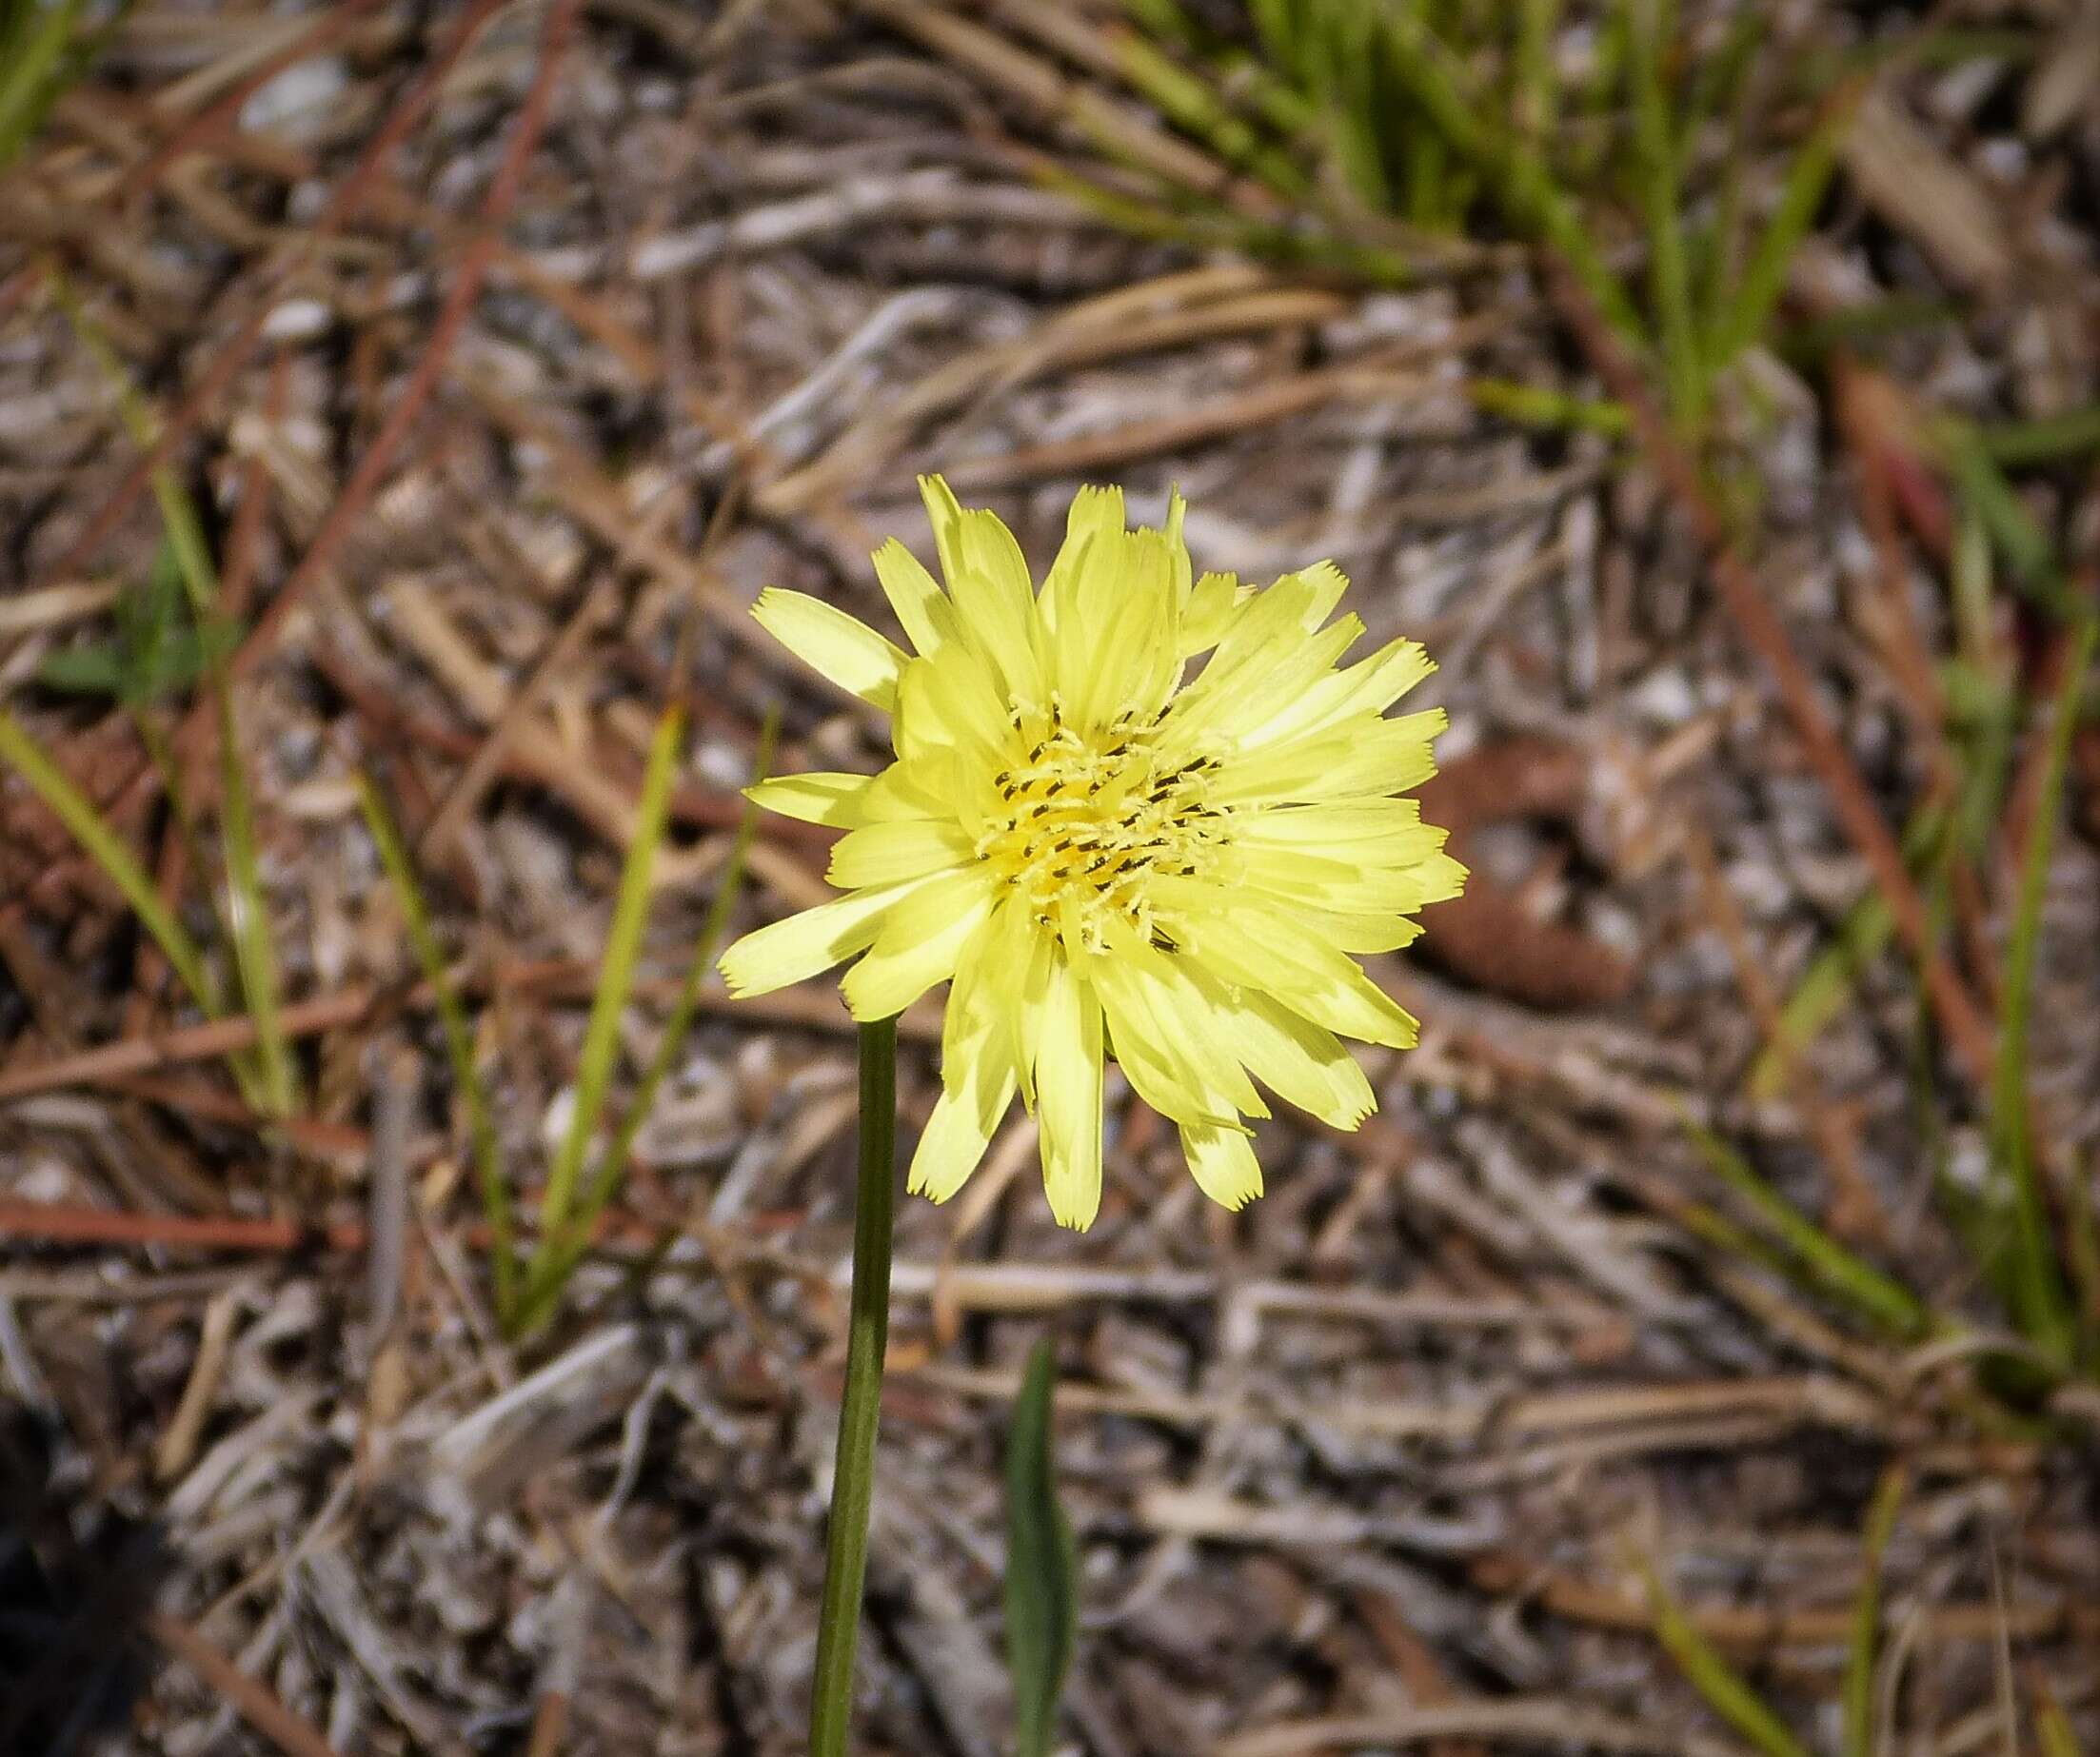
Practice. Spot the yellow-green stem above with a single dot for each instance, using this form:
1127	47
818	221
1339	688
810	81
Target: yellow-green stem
867	1334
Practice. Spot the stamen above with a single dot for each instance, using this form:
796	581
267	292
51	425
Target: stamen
1088	820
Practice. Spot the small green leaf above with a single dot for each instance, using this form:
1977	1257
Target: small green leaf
1041	1563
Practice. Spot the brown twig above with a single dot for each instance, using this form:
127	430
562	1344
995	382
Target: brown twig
247	1696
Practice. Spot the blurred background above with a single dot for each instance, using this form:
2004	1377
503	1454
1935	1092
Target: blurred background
401	405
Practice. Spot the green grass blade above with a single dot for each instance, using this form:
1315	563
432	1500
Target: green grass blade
248	920
2013	530
553	1271
1535	82
458	1041
630	915
1669	281
247	915
102	844
2041	1305
1859	1663
1764	276
1704	1668
1191	104
1830	1265
1809	343
1171	217
1533	406
1535	200
1042	1563
2052	439
34	72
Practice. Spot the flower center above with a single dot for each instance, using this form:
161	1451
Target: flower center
1084	822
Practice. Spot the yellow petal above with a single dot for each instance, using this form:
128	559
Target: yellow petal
1178	1053
921	939
994	599
805	943
957	1135
1302	1064
830	642
1068	1098
922	610
1224	1164
1208	611
905	848
976	1078
1270	952
820	797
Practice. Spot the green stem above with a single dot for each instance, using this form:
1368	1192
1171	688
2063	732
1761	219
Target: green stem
853	1475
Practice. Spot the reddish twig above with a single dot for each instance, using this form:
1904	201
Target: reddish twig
108	1063
248	1697
65	1223
1759	624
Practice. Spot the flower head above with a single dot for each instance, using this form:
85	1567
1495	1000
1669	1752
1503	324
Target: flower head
1107	855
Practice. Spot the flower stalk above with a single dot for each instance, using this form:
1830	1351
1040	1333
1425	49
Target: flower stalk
860	1412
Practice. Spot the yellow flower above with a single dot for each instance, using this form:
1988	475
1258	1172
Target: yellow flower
1106	855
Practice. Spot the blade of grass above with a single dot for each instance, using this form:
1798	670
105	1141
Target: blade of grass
246	916
31	72
1859	1663
1764	277
1533	406
1717	248
459	1042
553	1271
1042	1563
630	915
1704	1668
1655	147
1838	1271
1193	105
1809	342
1533	199
2028	553
2041	1304
247	920
1252	83
102	844
1535	82
1175	217
2023	445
